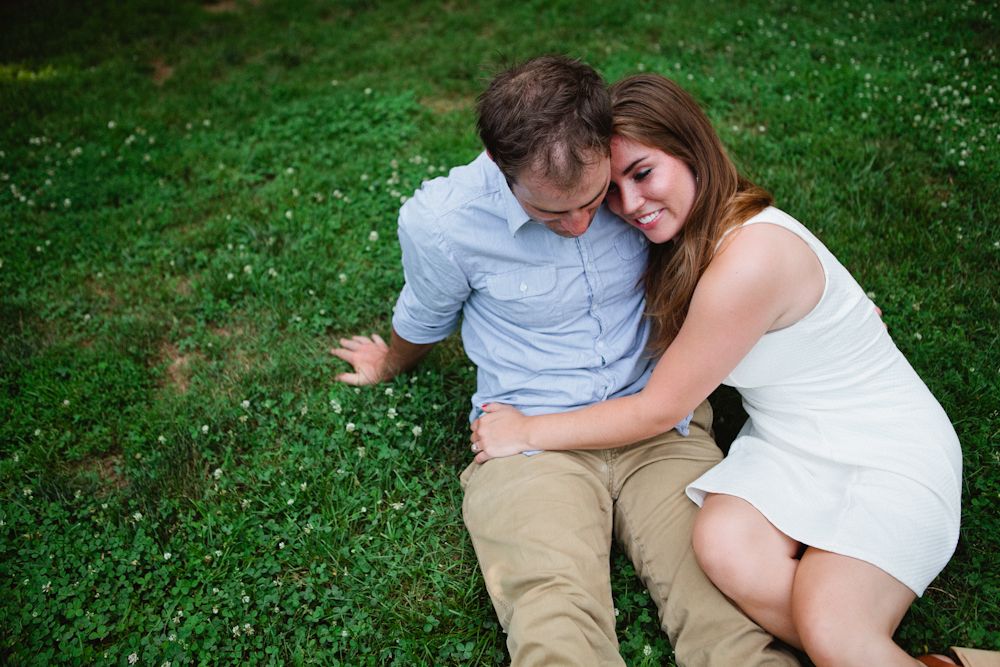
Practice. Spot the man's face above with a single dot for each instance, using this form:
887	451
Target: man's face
567	212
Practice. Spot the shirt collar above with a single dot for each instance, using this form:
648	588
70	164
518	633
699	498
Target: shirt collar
515	215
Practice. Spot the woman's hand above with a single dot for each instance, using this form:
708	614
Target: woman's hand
501	431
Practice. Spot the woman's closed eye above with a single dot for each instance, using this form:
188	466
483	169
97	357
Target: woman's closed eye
640	176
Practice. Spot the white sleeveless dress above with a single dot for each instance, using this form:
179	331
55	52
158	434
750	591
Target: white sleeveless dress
845	449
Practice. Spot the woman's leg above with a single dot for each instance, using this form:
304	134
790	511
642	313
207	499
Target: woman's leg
846	610
750	561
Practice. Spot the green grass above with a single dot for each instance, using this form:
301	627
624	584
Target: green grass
197	200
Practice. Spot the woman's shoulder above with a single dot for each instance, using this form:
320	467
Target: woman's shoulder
767	236
773	255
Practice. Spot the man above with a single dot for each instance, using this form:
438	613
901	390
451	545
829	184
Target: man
544	279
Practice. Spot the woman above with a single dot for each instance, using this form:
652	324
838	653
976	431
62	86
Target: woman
839	500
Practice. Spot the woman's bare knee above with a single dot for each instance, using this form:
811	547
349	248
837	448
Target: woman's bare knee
721	548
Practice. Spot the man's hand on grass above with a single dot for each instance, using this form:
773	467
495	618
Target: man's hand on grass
368	355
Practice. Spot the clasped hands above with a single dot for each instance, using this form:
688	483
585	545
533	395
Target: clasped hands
500	431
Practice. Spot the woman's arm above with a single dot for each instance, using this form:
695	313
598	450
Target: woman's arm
751	285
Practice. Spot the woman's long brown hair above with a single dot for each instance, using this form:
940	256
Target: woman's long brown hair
654	111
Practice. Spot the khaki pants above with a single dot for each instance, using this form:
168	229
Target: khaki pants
542	526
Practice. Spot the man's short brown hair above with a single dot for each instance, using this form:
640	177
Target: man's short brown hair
550	114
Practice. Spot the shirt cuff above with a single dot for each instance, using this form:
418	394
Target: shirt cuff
684	426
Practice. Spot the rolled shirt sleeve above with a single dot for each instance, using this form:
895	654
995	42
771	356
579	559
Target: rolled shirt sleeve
430	304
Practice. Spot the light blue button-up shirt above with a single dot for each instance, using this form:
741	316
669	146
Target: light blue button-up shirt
551	323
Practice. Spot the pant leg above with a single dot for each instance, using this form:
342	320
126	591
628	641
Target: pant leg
653	522
541	528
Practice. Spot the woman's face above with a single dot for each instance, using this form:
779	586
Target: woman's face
650	190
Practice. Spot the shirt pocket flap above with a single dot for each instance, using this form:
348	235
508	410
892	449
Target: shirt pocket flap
630	244
522	283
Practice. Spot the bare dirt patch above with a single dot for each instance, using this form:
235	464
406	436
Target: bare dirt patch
104	292
161	71
223	7
443	105
183	286
178	376
107	469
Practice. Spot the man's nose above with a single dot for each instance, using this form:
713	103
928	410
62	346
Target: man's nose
577	222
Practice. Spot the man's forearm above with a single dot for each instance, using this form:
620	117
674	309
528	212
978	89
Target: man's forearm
403	355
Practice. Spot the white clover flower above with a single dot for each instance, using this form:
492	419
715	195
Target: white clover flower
47	587
291	501
373	236
236	631
247	269
111	126
391	413
137	516
281	545
230	276
302	486
245	404
204	428
368	91
161	439
167	555
246	599
133	658
288	214
397	506
65	402
336	407
361	452
417	431
350	427
27	492
217	473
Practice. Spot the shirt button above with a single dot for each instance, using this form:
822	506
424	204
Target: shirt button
524	287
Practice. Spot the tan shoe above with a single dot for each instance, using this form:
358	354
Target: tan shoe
965	657
974	657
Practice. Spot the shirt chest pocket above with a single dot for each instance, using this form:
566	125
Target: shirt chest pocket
527	297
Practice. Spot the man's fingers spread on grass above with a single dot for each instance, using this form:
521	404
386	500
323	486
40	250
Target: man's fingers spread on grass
349	343
341	353
355	379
